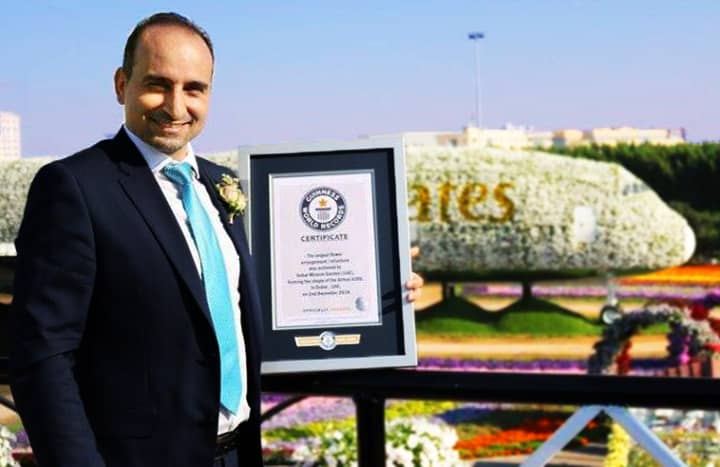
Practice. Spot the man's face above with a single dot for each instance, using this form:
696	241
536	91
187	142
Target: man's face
166	97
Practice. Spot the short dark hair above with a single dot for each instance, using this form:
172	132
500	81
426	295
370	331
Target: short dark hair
168	18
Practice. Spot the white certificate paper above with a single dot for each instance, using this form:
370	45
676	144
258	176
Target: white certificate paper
324	250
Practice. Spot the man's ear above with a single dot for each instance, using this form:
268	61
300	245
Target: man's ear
120	82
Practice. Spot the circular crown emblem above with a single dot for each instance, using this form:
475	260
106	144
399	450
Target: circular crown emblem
322	208
327	340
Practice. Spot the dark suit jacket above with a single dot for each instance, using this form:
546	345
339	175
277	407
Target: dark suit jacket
113	357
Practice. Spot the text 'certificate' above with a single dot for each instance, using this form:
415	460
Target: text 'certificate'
324	250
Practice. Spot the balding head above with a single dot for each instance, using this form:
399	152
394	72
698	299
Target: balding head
168	19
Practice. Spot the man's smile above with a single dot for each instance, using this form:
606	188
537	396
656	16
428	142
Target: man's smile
169	126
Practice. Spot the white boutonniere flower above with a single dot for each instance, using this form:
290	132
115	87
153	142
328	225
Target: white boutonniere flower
230	192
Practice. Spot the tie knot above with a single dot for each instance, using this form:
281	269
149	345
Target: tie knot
180	174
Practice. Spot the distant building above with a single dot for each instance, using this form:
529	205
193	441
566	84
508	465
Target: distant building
9	136
510	137
433	138
519	137
621	135
567	138
540	139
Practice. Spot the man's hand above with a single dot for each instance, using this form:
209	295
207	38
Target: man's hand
415	284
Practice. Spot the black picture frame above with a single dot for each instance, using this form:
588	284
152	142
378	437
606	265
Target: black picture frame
391	341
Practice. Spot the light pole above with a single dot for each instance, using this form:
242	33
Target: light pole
475	37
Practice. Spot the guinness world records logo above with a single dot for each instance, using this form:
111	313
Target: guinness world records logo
328	340
323	208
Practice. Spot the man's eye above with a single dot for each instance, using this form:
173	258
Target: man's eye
195	92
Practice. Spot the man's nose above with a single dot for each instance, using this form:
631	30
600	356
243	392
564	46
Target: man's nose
175	104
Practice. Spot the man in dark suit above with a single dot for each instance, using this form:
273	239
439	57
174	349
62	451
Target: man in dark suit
135	335
117	357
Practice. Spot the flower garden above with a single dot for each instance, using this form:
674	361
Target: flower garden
680	313
321	431
469	225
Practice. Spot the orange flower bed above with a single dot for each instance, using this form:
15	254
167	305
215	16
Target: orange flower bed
700	274
521	440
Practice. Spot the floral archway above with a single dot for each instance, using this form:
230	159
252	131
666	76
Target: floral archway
693	333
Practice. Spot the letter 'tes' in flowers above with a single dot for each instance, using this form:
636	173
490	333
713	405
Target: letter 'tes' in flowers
231	193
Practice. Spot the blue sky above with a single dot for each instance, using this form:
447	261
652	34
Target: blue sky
312	70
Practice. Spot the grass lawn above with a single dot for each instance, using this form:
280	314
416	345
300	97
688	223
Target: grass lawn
534	317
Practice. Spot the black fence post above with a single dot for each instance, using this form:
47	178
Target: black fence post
370	421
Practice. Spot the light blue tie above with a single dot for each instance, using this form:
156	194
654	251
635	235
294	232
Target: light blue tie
215	279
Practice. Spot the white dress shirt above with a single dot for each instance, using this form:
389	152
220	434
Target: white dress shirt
157	160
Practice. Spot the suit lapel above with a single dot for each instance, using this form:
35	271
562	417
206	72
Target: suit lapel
237	236
139	184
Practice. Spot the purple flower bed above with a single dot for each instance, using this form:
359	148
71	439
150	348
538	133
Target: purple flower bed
468	412
312	409
638	366
539	365
315	409
272	398
644	292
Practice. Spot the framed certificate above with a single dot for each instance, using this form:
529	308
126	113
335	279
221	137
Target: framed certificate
328	230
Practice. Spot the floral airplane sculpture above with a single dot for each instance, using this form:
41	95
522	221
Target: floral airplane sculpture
497	214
